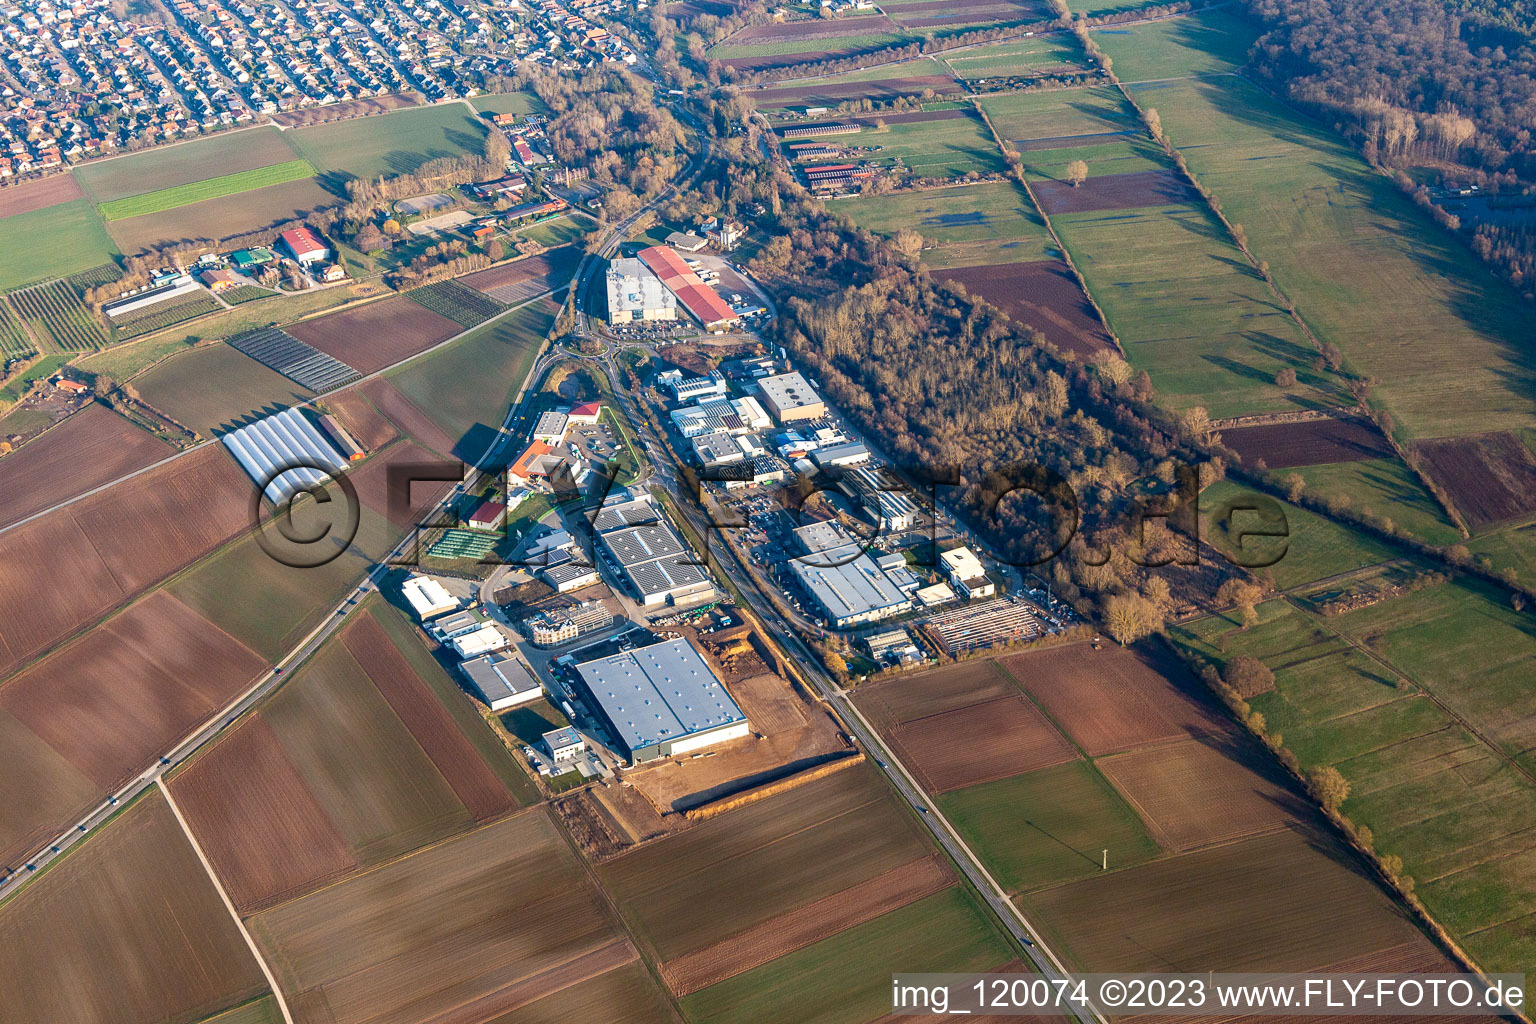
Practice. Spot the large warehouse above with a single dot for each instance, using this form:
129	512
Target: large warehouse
285	454
661	700
790	397
698	298
842	578
654	563
634	293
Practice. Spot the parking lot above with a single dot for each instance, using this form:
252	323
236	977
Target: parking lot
594	441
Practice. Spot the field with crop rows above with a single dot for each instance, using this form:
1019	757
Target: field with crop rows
458	302
164	315
56	309
15	342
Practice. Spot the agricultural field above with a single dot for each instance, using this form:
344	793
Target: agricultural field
467	387
158	318
15	341
951	144
160	200
458	302
765	46
55	311
991	222
406	416
1042	294
394	143
909	78
112	545
520	280
1017	57
1344	244
624	995
490	920
223	216
941	14
365	423
246	293
1309	443
377	334
206	389
77	240
38	195
847	977
127	928
166	167
32	767
1215	43
97	442
509	103
1370	693
557	231
732	872
1491	478
1048	826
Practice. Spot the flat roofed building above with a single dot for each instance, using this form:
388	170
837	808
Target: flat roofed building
716	449
937	594
563	744
501	681
625	512
684	387
661	700
850	454
790	397
550	426
456	625
570	576
636	294
427	597
841	577
482	641
966	573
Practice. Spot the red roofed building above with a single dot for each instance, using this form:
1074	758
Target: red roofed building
489	516
538	459
698	298
304	245
586	412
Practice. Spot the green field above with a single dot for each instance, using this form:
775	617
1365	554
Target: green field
40	370
15	342
53	242
165	167
467	386
992	222
208	388
208	188
509	103
1047	115
934	149
1384	488
1406	302
393	143
1048	826
847	978
557	231
1017	57
1351	693
1215	43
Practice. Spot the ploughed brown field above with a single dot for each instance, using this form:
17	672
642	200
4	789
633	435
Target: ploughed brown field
90	448
221	217
1070	141
40	792
342	111
128	927
471	779
980	743
124	693
814	29
372	483
1292	900
1198	792
1309	443
406	415
522	279
789	59
1114	699
837	92
1042	294
38	195
1490	478
906	697
1114	192
966	12
804	925
484	923
735	871
110	546
257	821
377	334
369	427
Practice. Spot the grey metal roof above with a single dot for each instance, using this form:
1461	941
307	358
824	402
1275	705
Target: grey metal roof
847	583
499	676
658	693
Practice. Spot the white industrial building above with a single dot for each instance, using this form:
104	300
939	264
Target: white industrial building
563	744
966	573
636	294
790	397
427	597
550	427
501	681
686	388
285	454
843	580
661	701
482	641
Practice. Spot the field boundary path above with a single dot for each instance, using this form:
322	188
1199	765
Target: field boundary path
277	993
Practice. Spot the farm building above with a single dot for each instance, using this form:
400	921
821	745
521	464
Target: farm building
427	597
698	298
174	287
342	438
636	294
661	700
219	279
966	573
304	245
790	397
245	259
563	744
285	454
508	186
686	241
843	580
490	515
501	681
527	210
